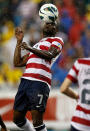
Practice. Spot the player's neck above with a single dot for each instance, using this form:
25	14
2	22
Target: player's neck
44	35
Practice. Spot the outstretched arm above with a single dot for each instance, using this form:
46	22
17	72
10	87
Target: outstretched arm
65	89
18	60
51	53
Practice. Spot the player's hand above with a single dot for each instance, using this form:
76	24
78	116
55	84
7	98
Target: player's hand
25	46
19	34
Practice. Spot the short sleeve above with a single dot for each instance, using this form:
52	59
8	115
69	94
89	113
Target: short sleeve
73	73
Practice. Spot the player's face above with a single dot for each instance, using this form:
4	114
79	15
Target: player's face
49	29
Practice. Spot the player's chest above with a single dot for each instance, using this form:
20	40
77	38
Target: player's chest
42	45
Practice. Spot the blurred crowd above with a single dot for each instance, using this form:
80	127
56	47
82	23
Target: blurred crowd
73	28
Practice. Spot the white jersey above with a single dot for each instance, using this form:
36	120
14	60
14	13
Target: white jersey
80	72
40	69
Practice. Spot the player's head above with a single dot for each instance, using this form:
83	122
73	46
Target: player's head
49	29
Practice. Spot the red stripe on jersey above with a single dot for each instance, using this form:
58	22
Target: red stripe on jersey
82	109
58	40
81	121
55	39
38	76
33	56
38	66
44	47
49	40
71	78
81	61
74	68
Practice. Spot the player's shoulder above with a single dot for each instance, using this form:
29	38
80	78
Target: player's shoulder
85	61
59	40
55	39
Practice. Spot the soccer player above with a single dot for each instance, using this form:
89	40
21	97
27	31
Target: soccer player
3	127
80	73
35	83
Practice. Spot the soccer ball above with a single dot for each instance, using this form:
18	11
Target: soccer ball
48	13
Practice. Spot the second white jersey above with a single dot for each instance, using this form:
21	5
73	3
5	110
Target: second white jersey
81	72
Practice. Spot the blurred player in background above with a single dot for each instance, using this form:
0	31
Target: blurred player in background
3	127
35	83
79	73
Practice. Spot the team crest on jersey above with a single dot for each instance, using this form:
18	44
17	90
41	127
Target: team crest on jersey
59	45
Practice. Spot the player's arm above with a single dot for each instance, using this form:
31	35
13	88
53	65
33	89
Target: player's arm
65	89
18	60
51	53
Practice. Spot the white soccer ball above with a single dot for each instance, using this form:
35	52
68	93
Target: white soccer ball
48	13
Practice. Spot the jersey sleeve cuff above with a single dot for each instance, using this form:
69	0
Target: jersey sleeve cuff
72	78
